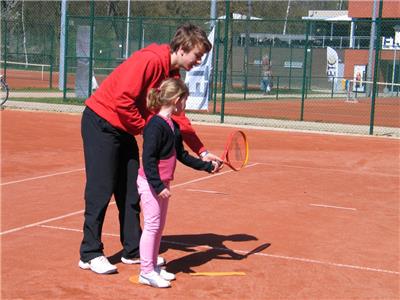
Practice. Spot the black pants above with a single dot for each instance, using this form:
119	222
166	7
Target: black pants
112	163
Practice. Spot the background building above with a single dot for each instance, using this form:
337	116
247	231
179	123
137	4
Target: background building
355	58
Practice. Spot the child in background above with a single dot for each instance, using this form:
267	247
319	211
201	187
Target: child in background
162	146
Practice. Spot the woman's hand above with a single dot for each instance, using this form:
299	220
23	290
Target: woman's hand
164	194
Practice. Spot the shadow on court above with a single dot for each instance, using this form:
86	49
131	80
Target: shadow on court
212	247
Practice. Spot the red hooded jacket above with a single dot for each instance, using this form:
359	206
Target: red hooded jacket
121	98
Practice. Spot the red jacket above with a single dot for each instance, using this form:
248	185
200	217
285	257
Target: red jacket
121	98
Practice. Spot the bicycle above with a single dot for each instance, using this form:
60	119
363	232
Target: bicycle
4	90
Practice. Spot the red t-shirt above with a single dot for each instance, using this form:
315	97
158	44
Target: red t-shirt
121	98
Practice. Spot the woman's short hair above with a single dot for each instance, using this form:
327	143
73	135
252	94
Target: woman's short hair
188	36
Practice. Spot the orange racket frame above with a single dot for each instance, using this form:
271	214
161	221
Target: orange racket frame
225	155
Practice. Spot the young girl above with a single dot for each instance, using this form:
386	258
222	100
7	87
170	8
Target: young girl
162	146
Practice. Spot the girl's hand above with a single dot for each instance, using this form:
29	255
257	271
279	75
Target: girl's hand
213	158
216	166
164	194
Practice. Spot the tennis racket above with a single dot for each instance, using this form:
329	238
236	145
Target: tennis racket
236	151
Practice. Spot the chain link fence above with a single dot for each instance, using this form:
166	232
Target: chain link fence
320	74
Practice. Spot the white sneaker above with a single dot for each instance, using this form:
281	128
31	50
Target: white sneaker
128	261
134	261
164	274
99	265
153	279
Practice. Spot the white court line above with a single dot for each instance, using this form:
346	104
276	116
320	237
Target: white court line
206	191
285	257
332	206
210	176
81	211
329	169
75	230
43	176
41	222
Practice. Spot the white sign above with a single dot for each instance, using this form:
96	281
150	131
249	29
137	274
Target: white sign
198	81
293	64
390	43
332	63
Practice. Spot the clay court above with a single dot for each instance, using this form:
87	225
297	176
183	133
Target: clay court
312	216
327	110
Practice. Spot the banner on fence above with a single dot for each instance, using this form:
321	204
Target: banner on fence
82	62
332	63
358	78
198	81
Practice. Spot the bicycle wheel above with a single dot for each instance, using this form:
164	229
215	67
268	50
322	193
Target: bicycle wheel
3	92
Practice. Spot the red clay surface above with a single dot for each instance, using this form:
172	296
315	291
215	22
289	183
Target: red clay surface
387	111
23	79
321	213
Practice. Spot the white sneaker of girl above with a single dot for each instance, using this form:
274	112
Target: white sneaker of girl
164	274
153	279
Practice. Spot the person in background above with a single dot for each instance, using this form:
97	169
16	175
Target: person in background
115	113
266	80
162	146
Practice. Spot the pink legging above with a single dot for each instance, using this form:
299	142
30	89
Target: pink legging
154	216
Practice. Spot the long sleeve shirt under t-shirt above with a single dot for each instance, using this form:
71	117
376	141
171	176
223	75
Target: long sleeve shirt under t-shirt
121	97
162	146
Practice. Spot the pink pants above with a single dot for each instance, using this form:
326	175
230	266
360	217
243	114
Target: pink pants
154	216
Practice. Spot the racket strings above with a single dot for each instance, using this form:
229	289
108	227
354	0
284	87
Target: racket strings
237	151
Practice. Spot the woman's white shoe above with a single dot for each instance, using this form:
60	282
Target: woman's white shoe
99	265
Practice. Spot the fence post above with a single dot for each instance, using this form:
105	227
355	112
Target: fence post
65	59
140	33
277	88
51	58
246	55
128	16
245	72
216	42
269	51
92	3
310	70
63	41
5	49
304	73
374	85
225	64
290	66
306	87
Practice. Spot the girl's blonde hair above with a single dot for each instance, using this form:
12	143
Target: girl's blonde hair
169	90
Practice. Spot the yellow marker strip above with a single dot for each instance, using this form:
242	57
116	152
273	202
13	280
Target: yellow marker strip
218	274
134	279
